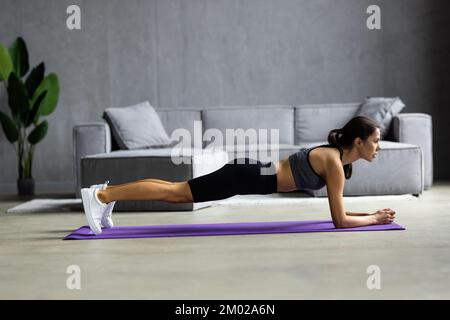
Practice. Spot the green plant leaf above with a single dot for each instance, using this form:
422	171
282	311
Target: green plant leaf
5	63
35	78
9	127
35	109
19	56
51	85
36	119
17	96
38	133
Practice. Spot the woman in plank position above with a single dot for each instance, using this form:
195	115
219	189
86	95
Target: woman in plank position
309	168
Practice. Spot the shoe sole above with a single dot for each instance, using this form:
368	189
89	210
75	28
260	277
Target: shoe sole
86	200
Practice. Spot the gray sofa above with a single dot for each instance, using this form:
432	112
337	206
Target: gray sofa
404	164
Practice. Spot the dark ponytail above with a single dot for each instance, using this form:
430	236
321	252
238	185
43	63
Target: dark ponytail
335	137
357	127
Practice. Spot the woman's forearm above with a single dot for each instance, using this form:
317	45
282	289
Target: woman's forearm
357	214
357	221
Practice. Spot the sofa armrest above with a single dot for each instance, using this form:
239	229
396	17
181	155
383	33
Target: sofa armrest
89	138
417	129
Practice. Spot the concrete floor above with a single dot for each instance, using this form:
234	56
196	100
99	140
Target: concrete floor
414	264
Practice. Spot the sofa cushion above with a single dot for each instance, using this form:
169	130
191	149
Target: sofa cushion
187	119
266	117
313	122
382	110
262	152
137	127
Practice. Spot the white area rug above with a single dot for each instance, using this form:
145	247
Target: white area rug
67	205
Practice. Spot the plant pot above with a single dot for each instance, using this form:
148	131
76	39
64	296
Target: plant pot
25	187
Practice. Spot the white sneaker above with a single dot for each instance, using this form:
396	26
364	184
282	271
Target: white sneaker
106	221
93	208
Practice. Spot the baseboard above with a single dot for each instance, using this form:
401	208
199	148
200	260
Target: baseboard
41	187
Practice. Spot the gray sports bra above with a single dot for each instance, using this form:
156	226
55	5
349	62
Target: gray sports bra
304	175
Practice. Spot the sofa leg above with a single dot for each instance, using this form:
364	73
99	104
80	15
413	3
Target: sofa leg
416	194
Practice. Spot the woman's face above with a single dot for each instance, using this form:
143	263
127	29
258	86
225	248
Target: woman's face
371	146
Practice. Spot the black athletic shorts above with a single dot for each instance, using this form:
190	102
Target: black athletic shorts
239	176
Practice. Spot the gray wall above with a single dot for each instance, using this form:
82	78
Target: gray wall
199	53
417	66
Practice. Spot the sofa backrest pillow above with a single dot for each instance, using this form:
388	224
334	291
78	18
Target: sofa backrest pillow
382	110
137	127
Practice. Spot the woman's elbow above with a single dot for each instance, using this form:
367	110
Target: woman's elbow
341	224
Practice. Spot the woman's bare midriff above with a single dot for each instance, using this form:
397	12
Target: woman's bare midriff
285	180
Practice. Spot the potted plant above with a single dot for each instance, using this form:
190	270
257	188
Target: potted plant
28	101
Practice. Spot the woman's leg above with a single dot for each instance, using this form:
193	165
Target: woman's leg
129	183
239	176
147	189
231	179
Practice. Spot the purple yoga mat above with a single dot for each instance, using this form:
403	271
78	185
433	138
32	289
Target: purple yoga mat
217	229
